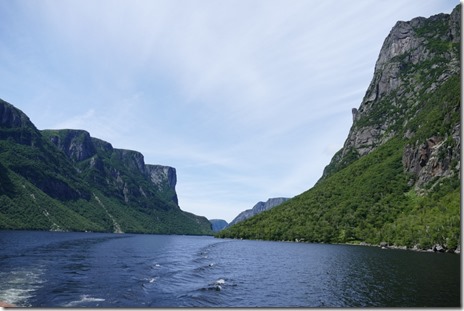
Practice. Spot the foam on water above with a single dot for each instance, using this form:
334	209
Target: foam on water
17	286
84	299
16	296
125	273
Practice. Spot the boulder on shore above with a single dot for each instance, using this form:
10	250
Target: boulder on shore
438	248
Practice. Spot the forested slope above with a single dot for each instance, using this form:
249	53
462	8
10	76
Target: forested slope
397	177
67	180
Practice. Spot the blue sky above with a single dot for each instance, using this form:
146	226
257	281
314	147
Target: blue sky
248	100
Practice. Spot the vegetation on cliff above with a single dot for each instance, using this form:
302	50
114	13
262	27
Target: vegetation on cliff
67	180
397	178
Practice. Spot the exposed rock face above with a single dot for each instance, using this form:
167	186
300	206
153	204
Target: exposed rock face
68	180
17	125
162	175
396	181
133	160
433	158
11	117
354	112
416	57
258	208
79	146
164	178
76	144
101	145
409	43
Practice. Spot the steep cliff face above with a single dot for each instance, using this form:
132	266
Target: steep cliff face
257	209
122	170
17	126
11	117
68	180
76	144
396	181
164	178
416	59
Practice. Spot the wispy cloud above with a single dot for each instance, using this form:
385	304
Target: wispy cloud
247	99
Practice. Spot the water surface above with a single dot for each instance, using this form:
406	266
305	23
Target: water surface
54	269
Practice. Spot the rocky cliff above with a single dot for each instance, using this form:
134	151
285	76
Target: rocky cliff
257	209
416	58
16	125
396	181
97	159
68	180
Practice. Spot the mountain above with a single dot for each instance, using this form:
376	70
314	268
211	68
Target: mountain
218	224
258	208
396	180
68	180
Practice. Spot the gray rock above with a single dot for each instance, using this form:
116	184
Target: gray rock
79	146
75	144
160	175
438	248
393	94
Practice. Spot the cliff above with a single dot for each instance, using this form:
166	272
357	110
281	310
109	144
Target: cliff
68	180
416	59
16	126
122	171
397	178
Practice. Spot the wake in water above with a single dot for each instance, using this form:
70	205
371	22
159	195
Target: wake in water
196	280
42	269
19	285
85	301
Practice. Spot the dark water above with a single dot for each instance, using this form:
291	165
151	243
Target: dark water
51	269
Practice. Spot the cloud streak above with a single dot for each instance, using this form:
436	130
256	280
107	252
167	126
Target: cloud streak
247	99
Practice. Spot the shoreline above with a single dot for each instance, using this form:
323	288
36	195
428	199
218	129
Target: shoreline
437	248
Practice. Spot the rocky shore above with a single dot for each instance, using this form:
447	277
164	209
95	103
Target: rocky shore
437	248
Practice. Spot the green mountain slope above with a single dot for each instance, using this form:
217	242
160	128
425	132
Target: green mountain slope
397	177
67	180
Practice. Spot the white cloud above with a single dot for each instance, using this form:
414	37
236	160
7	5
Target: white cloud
247	99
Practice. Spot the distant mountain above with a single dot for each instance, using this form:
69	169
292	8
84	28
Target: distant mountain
396	181
257	209
218	224
68	180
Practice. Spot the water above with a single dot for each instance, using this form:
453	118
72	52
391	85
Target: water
52	269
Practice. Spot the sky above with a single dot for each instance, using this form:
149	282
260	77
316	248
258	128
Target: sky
247	99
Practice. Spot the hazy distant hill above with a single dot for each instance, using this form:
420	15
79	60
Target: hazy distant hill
67	180
218	224
258	208
397	178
